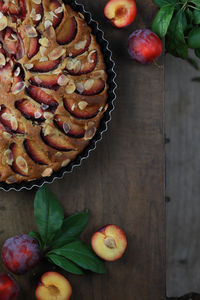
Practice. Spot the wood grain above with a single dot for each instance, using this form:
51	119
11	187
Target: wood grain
183	167
122	182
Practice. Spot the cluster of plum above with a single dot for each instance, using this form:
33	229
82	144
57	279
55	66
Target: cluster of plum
21	253
144	46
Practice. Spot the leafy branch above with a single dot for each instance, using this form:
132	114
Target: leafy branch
59	237
179	22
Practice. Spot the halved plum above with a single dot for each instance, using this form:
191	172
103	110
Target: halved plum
41	96
19	164
30	111
67	31
64	124
46	81
89	112
9	121
56	7
80	47
55	139
34	46
45	66
84	65
35	152
90	87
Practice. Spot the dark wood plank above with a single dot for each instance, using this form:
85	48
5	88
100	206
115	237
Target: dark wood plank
122	182
183	189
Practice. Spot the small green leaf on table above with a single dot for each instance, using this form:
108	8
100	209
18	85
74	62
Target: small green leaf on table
71	229
65	264
82	255
48	214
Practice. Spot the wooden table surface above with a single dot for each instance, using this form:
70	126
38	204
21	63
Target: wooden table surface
122	182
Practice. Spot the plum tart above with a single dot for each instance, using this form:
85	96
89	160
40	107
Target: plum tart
53	85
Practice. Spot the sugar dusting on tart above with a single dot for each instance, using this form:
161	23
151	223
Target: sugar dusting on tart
53	85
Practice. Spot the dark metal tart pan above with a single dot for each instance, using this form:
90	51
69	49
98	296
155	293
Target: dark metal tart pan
103	127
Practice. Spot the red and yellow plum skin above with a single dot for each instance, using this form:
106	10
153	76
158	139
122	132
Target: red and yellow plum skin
144	46
20	253
9	289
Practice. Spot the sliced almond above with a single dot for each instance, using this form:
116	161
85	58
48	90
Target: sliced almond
38	17
37	114
47	172
18	87
66	127
22	164
88	84
28	66
58	154
14	123
37	79
44	42
17	72
44	58
82	105
70	88
43	50
48	130
30	31
90	132
47	24
65	162
90	60
56	53
48	115
3	23
81	15
98	73
63	80
7	135
58	10
9	157
80	45
37	1
6	116
2	60
11	179
80	87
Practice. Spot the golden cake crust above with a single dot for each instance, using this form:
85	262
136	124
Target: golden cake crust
53	85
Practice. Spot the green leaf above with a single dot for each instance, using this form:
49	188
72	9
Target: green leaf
65	264
175	42
82	255
162	20
193	63
161	3
71	229
194	38
37	237
196	2
196	14
48	214
197	52
189	15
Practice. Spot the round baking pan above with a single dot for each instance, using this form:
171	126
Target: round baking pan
104	121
